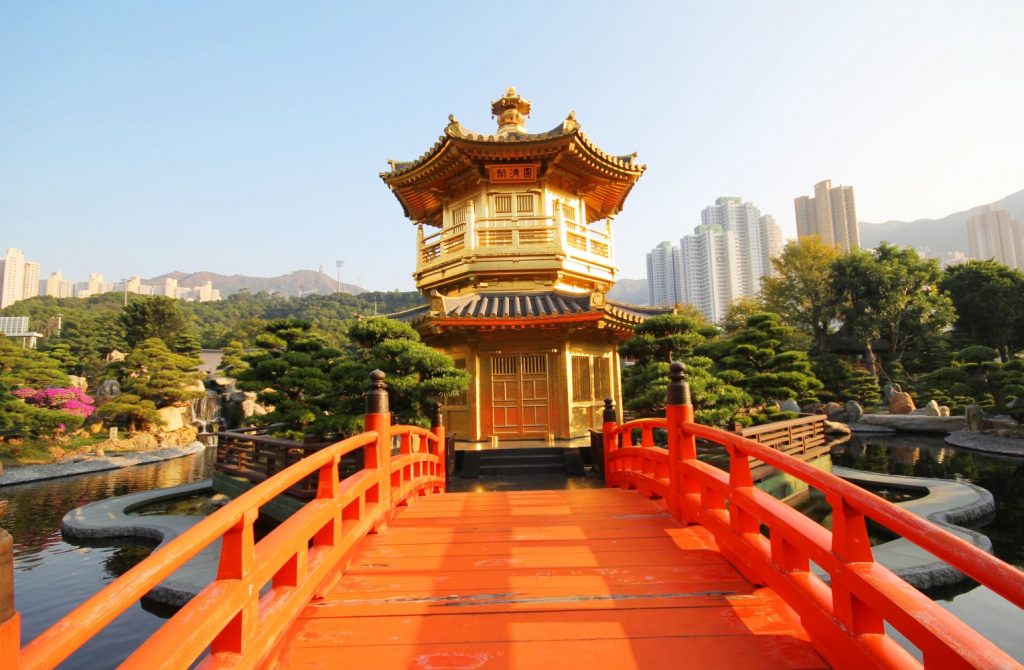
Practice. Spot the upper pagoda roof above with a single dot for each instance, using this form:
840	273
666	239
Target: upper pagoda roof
602	179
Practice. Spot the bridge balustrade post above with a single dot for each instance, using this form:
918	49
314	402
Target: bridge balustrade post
686	441
237	560
10	619
608	424
681	444
437	428
377	456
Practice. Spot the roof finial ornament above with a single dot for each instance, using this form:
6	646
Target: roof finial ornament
570	124
511	110
452	120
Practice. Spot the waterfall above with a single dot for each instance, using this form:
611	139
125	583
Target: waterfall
206	415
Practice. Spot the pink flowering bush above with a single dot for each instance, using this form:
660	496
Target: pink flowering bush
67	400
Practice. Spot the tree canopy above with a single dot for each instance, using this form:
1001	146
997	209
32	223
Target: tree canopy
657	342
989	301
317	389
802	289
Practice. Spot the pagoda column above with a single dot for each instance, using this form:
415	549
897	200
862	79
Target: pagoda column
608	232
469	241
563	242
419	247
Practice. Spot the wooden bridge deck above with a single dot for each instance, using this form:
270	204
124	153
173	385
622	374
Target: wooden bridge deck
583	578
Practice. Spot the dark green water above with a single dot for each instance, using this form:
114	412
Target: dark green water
917	456
52	577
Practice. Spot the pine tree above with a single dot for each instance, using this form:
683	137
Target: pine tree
153	372
317	389
756	360
656	343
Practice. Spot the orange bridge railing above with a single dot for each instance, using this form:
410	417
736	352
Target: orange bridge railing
260	587
846	617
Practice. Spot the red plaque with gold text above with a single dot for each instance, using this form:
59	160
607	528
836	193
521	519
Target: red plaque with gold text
513	173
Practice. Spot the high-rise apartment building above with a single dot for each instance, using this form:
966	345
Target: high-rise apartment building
664	275
725	258
711	270
19	279
995	234
57	287
831	215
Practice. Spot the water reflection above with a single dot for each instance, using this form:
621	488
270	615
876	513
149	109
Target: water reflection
982	609
51	576
930	457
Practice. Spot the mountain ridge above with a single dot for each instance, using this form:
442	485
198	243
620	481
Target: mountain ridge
297	283
938	236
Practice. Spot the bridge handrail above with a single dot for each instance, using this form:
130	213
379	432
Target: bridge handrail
845	618
234	616
979	565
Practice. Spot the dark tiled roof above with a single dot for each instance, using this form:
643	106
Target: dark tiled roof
526	306
636	311
516	305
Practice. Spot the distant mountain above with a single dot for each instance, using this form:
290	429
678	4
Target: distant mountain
939	236
298	283
633	291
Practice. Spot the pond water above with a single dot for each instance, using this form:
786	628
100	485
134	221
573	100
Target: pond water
985	611
52	576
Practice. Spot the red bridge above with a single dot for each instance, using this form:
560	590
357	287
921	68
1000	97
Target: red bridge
693	566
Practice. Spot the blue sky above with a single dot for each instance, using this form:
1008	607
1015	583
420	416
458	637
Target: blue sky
246	137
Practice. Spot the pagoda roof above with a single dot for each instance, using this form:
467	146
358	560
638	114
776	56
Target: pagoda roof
604	180
517	309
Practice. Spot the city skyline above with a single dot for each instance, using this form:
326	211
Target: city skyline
725	258
117	133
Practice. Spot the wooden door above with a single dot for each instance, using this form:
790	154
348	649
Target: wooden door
519	395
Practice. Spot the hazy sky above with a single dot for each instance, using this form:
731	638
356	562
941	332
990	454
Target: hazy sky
145	137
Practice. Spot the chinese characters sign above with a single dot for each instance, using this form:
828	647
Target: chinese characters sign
513	173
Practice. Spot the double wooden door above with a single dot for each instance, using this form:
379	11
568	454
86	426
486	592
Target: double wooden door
520	395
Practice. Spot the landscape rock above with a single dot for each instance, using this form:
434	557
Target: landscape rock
901	403
932	409
975	417
57	453
78	382
789	406
837	428
915	423
144	441
853	411
944	410
222	383
812	408
888	391
1001	421
250	407
831	409
108	388
172	418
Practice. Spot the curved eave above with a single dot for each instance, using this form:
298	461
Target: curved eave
420	184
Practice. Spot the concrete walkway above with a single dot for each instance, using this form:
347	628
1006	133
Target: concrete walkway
23	474
112	518
987	442
946	504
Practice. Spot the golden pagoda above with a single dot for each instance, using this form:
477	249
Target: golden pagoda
514	254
